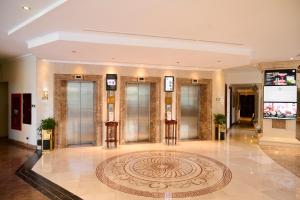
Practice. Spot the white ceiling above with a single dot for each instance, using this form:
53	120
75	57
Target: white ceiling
194	34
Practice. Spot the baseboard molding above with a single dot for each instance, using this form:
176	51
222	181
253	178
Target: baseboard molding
22	144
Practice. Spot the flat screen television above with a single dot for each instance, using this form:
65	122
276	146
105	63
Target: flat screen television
280	93
111	82
280	77
280	110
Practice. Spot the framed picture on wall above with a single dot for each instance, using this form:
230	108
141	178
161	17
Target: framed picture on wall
27	108
16	111
169	84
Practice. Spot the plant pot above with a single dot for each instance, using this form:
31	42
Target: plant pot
220	132
47	139
222	135
216	132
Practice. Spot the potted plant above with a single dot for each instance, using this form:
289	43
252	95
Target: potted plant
46	130
220	123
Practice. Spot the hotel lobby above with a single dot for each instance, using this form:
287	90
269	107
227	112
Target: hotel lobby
140	99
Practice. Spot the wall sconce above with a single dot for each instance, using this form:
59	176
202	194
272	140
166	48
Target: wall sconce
45	94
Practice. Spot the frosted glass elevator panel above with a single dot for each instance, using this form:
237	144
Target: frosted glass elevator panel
80	113
137	125
87	113
132	113
144	112
73	113
189	112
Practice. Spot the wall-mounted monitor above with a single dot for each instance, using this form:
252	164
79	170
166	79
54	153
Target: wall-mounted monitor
280	110
169	83
111	82
280	77
280	94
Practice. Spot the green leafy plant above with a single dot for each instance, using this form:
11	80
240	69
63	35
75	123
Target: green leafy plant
47	124
220	119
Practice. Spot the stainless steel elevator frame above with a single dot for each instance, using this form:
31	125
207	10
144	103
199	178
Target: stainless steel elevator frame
80	113
190	111
137	124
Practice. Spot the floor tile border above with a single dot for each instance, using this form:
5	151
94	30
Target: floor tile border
40	183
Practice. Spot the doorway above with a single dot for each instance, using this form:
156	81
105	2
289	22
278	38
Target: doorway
245	115
190	111
80	113
137	124
4	109
247	105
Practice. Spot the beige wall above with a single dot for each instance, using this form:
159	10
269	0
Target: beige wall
218	95
3	109
218	85
20	74
243	77
46	71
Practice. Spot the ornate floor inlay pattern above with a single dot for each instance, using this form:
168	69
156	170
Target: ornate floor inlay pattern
161	173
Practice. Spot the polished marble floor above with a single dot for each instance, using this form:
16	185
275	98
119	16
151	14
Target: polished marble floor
286	156
254	174
11	186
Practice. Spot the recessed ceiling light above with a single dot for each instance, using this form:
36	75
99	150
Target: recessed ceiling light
291	58
26	7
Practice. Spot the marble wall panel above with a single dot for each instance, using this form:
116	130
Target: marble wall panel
60	107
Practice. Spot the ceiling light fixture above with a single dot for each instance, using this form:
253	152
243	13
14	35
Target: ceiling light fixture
291	58
26	8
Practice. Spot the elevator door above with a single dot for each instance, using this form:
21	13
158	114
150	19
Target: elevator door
189	112
80	113
137	125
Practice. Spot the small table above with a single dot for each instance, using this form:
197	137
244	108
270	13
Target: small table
111	133
171	131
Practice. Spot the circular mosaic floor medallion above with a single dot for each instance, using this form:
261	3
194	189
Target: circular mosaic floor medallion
160	173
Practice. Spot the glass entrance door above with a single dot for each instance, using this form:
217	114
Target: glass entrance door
190	112
137	125
80	113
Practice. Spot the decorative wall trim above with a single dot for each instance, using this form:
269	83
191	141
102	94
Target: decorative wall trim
113	38
136	65
279	65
